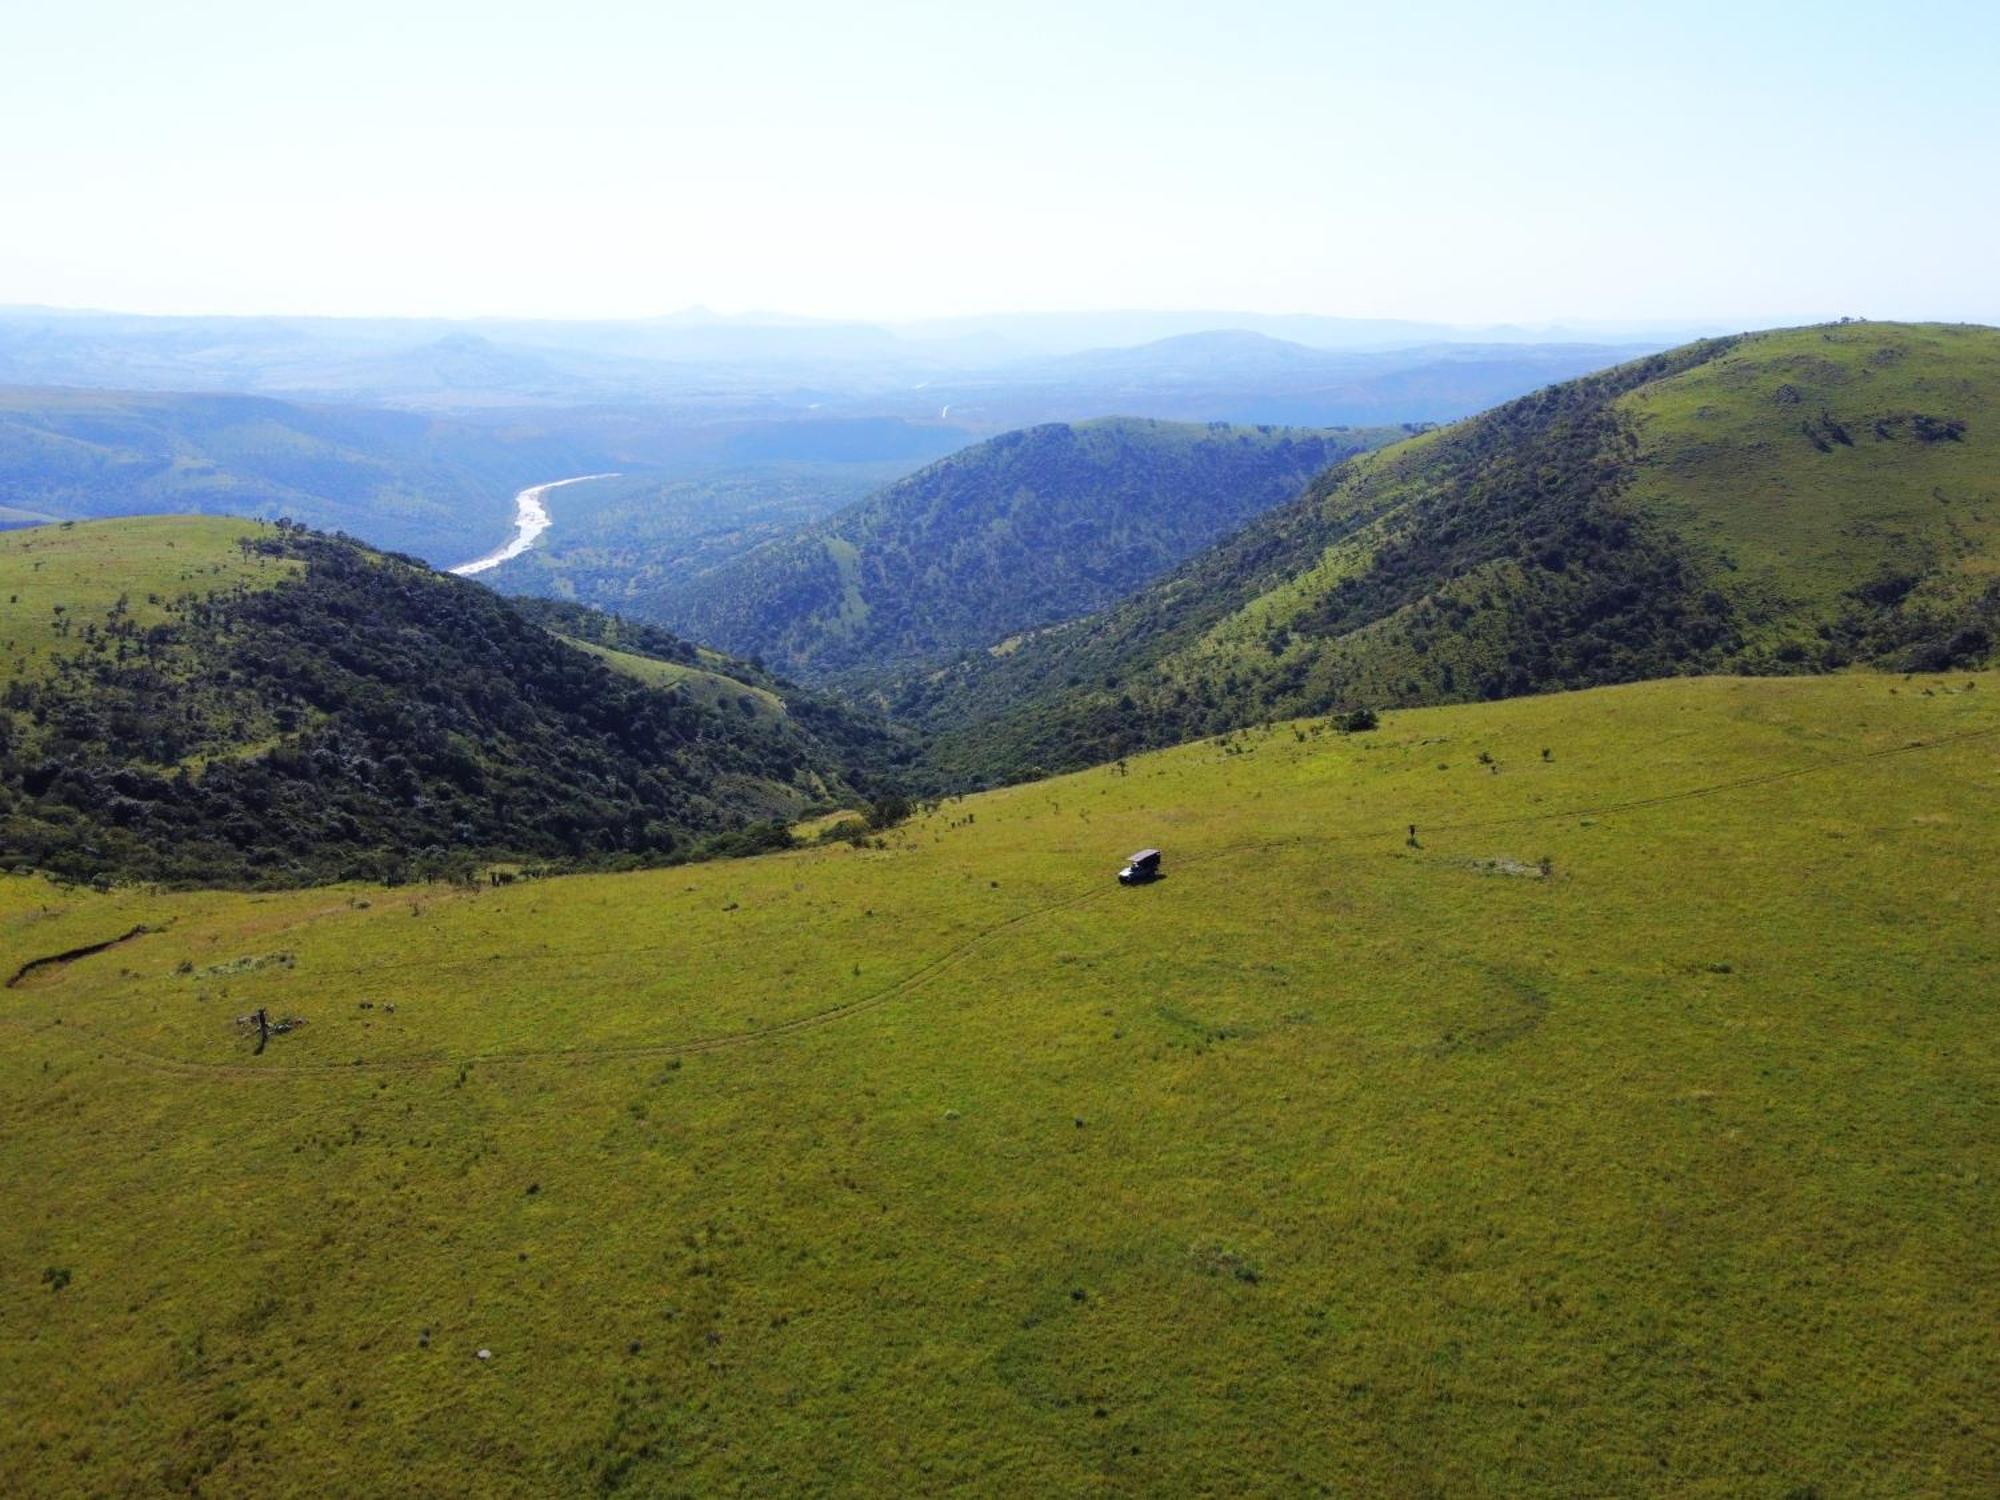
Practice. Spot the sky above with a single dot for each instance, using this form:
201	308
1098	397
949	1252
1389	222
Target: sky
1461	162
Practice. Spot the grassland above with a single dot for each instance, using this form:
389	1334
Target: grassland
1812	461
1632	1131
57	580
711	688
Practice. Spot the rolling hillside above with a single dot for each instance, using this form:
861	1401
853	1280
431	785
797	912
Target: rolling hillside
620	543
1023	530
204	700
407	482
1796	501
1556	1152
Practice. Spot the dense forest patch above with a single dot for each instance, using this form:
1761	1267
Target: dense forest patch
353	714
1023	530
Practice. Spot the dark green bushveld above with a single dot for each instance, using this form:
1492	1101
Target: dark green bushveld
370	718
1024	530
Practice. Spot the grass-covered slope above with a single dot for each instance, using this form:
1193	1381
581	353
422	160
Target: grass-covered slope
191	699
1019	531
1793	501
1560	1153
869	754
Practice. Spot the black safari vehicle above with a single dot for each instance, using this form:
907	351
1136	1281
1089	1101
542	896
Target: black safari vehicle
1140	868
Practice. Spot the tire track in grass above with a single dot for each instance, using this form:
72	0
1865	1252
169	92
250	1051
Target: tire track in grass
926	971
931	968
70	955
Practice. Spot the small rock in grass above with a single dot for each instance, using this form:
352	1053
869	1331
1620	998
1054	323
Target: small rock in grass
485	1354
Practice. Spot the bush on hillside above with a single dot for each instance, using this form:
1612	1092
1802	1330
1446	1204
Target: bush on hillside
372	720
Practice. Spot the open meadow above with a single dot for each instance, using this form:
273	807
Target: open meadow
1633	1126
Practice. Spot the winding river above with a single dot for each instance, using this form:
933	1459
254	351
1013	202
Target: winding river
531	519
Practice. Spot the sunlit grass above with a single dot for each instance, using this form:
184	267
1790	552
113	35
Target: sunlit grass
1328	1162
57	580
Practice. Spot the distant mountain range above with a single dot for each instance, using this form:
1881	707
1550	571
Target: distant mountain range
1058	333
1239	376
1013	370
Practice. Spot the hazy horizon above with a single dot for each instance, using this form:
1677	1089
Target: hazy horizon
1551	164
698	315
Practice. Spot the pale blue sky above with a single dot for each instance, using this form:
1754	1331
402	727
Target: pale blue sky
1457	161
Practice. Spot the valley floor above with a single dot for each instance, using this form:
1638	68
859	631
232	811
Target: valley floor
1634	1128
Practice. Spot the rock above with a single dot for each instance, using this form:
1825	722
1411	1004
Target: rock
485	1354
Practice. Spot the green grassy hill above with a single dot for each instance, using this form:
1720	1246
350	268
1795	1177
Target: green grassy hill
701	684
202	700
1556	1151
1025	529
1793	501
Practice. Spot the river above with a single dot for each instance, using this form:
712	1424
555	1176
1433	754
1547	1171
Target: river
531	519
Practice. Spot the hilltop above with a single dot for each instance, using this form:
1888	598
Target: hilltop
1795	501
209	700
1556	1152
1019	531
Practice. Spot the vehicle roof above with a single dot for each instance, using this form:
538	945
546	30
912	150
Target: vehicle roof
1144	854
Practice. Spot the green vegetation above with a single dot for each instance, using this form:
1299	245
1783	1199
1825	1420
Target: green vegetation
196	700
1478	1104
872	756
1859	467
1551	1148
712	688
408	482
1785	502
621	544
61	585
1019	531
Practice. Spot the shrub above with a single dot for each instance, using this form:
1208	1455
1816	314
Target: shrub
887	812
